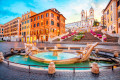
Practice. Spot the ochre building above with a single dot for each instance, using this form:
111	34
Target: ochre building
47	25
112	12
12	30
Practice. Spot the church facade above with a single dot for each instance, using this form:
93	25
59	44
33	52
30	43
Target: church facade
86	21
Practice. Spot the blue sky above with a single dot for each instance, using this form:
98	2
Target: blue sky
71	9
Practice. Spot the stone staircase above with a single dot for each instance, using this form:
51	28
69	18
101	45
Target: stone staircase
109	38
89	38
69	39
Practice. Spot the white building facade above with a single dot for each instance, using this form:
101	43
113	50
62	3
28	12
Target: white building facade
86	21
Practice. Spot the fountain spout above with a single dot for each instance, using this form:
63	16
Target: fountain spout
55	47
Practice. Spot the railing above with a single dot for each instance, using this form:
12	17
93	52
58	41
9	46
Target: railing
74	68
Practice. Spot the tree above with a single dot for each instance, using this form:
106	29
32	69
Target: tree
96	23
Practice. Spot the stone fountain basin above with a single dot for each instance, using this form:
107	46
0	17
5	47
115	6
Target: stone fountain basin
68	60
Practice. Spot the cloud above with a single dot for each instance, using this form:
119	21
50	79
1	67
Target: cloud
71	9
77	6
6	18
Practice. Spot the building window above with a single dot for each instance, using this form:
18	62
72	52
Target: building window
118	14
118	3
107	12
22	33
47	14
58	25
35	19
52	22
31	20
25	27
2	29
46	22
38	17
27	21
41	16
53	30
37	24
111	17
25	17
2	32
57	17
52	15
41	23
111	8
34	25
22	23
28	16
31	26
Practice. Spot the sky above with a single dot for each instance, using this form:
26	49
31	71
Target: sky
71	9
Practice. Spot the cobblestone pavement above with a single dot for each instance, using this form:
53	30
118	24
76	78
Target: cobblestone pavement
14	73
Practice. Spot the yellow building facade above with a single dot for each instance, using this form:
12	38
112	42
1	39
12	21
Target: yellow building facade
25	26
118	7
111	12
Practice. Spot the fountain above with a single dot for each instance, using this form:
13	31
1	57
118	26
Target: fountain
64	59
55	51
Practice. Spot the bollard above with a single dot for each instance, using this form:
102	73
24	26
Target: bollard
95	68
51	68
96	51
103	37
1	57
81	48
45	48
68	48
12	49
116	54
